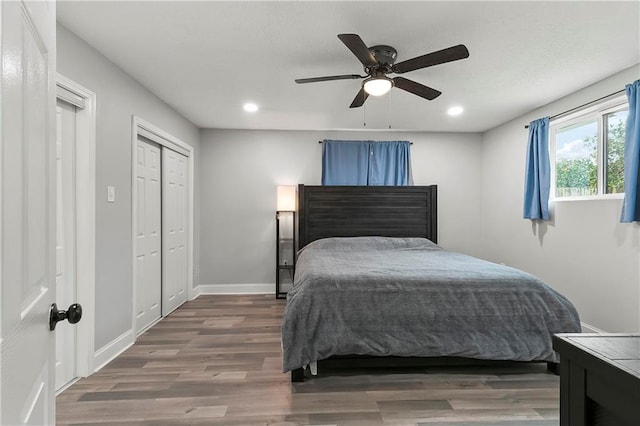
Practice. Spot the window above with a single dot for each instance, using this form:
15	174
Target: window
587	150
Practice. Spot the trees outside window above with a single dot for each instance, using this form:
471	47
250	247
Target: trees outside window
614	146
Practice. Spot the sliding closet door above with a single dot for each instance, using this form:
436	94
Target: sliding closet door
174	230
148	235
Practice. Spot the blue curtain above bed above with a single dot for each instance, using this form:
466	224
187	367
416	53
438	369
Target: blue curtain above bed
365	163
345	163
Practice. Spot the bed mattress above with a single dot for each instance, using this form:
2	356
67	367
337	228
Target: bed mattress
408	297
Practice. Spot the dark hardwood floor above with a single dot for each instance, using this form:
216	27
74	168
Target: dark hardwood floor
217	360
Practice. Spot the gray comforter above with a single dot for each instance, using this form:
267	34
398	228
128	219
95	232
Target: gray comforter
408	297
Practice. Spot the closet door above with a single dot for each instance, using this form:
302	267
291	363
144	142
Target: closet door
66	283
174	230
148	237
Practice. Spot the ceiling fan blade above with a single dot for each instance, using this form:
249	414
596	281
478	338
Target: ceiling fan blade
358	101
357	46
329	78
416	88
449	54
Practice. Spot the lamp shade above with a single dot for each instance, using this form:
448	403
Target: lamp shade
286	198
377	86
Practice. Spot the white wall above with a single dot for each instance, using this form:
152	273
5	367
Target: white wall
118	98
241	169
584	252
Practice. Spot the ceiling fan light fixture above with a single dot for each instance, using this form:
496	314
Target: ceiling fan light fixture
377	86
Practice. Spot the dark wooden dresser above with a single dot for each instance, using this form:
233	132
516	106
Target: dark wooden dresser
599	379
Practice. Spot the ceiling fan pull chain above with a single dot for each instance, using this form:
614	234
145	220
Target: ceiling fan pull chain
364	116
389	109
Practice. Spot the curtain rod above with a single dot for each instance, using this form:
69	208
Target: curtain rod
583	105
410	143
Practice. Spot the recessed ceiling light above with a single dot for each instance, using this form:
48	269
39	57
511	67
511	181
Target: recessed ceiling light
250	107
455	110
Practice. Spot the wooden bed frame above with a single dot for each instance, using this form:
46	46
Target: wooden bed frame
358	211
363	211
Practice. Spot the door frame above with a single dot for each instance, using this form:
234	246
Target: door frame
145	129
85	182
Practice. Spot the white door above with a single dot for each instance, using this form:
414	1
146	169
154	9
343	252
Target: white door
65	239
148	238
27	212
174	224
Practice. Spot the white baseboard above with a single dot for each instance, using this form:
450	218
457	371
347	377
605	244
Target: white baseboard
234	289
108	352
586	328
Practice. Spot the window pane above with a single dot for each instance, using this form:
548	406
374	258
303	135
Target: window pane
576	160
614	167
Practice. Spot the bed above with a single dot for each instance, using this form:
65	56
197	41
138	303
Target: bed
371	281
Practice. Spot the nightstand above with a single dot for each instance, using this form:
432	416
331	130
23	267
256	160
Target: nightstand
599	379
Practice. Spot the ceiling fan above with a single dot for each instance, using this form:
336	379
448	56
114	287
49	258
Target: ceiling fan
378	61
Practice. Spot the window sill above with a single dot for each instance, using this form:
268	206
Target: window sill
588	198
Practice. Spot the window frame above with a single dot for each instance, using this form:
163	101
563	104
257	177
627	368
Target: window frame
595	112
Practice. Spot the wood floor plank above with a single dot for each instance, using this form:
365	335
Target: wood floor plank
217	361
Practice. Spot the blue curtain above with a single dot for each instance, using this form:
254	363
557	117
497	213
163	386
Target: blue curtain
389	163
345	163
538	171
365	163
631	203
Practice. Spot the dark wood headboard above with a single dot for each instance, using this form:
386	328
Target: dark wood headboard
358	211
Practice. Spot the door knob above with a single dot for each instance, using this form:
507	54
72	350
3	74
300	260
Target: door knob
73	315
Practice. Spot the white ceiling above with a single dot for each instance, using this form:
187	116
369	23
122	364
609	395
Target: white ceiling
206	59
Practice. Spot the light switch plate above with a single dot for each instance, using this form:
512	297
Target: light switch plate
111	194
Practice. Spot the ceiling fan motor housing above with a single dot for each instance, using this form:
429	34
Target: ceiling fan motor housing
385	55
